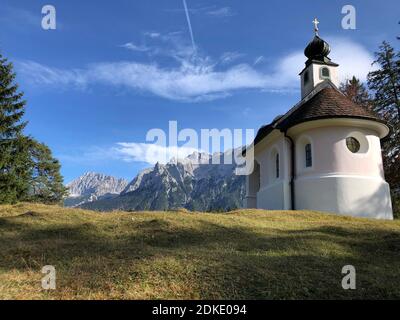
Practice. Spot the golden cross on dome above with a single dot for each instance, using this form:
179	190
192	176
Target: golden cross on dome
316	22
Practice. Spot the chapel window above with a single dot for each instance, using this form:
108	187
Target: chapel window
325	74
353	144
308	155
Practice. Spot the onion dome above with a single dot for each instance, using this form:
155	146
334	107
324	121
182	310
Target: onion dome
317	49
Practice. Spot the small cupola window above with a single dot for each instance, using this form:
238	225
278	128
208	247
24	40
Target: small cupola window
325	73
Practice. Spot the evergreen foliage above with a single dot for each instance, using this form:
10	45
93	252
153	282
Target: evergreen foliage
383	98
385	84
356	91
28	172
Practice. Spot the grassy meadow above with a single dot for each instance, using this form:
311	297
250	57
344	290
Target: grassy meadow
244	254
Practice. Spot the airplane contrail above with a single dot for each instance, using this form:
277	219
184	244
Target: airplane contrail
189	25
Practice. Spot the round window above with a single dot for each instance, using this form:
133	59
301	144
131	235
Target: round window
353	144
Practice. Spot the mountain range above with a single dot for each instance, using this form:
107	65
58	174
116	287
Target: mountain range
194	183
93	186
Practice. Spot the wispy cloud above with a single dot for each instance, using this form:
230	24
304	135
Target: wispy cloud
189	82
18	17
199	78
171	44
353	58
134	47
152	34
92	155
41	75
210	11
221	12
229	57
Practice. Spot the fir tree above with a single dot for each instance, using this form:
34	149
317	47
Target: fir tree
27	169
46	181
13	151
11	103
356	91
385	83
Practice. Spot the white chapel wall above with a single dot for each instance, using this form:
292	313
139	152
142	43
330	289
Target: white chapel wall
341	181
274	192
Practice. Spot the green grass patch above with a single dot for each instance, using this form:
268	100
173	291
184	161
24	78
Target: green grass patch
244	254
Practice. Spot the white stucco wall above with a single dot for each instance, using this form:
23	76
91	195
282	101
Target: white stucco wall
341	181
252	187
315	77
331	155
344	194
274	193
275	196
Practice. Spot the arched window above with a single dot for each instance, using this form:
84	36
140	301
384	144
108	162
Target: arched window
277	165
304	154
325	74
308	155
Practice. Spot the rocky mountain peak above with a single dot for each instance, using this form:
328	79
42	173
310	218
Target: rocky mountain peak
193	183
92	186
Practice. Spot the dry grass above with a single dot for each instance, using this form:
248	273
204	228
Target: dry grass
243	254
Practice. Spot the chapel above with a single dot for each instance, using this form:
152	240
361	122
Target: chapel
324	154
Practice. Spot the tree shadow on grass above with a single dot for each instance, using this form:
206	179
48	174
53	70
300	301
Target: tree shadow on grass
220	261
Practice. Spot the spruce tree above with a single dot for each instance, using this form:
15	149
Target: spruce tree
28	172
385	83
356	91
13	151
12	106
46	181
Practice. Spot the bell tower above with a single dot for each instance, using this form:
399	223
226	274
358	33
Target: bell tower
319	66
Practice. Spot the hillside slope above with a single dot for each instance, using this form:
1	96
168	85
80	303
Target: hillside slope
243	254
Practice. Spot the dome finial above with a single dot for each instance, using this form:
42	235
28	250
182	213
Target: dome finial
316	22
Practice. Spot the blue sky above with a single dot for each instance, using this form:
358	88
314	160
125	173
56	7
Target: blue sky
112	71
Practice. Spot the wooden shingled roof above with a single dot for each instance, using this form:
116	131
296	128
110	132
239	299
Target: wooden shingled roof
327	103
